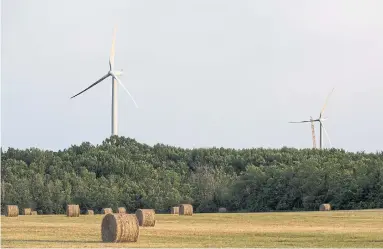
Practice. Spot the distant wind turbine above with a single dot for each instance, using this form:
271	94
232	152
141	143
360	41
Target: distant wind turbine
320	119
113	73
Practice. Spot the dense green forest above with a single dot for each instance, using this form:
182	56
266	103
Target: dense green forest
123	172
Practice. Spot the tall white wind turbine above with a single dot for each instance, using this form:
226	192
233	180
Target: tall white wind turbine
114	74
320	119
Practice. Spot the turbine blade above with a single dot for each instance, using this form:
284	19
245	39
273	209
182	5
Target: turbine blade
126	90
328	137
304	121
95	83
325	103
111	57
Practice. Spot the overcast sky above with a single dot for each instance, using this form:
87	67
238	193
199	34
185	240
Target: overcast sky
203	72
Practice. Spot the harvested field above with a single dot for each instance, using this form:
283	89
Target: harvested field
290	229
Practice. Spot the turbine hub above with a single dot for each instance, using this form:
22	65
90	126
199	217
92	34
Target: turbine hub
117	73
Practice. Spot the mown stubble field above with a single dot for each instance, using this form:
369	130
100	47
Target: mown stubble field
293	229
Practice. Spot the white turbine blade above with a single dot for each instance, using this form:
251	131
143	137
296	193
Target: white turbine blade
325	103
95	83
305	121
328	137
111	58
126	90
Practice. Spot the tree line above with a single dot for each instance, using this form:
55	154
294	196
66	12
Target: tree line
122	172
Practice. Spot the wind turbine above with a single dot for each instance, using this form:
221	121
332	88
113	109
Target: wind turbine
320	119
114	74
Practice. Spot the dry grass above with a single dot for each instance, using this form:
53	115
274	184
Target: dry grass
298	229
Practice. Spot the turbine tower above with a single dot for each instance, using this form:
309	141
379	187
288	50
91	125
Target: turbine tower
313	133
114	87
320	119
115	81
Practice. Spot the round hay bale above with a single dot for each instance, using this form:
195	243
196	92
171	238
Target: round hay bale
27	211
186	209
119	228
146	217
72	210
121	210
222	210
175	210
12	211
325	207
89	212
34	213
107	211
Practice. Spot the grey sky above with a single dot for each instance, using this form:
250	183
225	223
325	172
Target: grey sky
204	73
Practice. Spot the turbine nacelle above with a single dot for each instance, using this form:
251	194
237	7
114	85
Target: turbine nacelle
116	73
